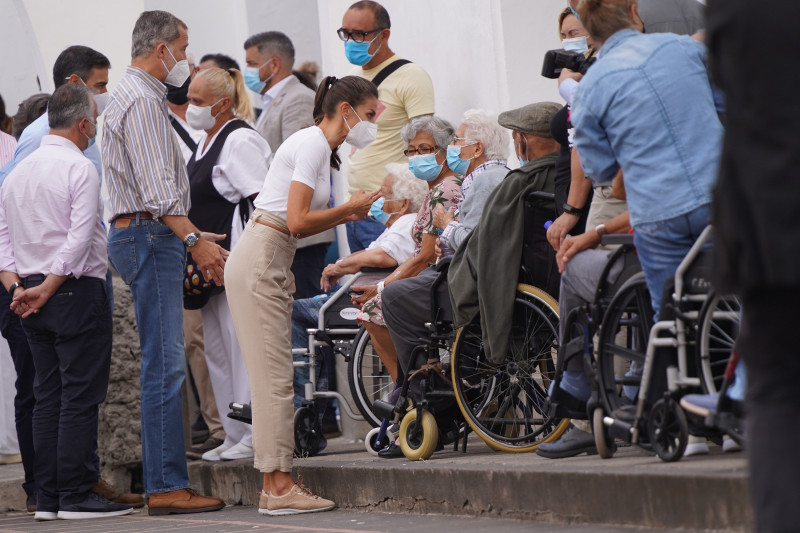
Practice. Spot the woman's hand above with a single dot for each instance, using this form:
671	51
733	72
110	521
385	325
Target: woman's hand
330	277
360	202
442	217
367	293
558	230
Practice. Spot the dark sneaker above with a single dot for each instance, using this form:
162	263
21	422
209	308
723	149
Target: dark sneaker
41	516
94	506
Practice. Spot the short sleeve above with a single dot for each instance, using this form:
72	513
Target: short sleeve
415	89
242	165
311	160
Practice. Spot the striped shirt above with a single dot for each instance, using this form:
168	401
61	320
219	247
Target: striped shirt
142	160
7	146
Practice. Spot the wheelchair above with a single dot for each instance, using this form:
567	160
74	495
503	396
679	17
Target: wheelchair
641	369
459	389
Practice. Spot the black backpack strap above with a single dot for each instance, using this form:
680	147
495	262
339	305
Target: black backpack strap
183	134
387	70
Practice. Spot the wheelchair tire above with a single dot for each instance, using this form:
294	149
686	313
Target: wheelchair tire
369	379
308	437
668	429
605	443
505	404
622	341
371	443
418	438
717	329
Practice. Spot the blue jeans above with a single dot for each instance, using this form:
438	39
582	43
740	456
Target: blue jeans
304	315
150	258
361	233
662	246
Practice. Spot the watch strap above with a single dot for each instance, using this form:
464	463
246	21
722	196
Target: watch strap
572	210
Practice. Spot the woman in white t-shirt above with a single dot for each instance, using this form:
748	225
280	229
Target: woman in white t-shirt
226	171
291	204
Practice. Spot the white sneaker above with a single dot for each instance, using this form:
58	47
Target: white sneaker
696	448
41	516
239	451
214	455
730	445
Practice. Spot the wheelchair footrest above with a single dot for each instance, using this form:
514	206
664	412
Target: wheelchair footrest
241	412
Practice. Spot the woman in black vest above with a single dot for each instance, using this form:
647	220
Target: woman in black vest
225	173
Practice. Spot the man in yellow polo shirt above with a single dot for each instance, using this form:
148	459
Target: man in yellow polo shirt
405	91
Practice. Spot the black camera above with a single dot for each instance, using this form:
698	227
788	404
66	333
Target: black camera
557	60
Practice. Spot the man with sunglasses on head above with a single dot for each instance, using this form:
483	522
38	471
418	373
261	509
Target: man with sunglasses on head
405	91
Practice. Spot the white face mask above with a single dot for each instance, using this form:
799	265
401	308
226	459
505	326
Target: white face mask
362	134
200	118
179	71
102	102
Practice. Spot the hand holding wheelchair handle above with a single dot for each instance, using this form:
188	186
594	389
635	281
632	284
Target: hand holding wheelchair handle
359	295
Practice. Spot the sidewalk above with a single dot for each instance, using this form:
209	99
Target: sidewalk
633	489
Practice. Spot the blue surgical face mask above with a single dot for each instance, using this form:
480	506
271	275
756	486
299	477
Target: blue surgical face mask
252	78
358	53
576	44
425	166
377	211
454	161
94	137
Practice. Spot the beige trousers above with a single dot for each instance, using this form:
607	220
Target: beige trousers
259	286
196	359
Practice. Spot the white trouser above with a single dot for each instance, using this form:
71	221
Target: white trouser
226	367
8	428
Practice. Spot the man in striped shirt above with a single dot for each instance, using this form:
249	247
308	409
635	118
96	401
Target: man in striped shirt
147	242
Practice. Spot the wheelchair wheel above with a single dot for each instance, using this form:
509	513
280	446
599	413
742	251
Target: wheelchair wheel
622	344
369	379
668	429
371	442
605	443
308	437
505	404
418	438
717	330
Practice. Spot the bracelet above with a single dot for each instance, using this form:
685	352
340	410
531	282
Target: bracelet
572	210
381	285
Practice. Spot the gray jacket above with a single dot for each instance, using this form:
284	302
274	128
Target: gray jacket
471	207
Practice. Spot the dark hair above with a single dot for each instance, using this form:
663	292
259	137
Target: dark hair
6	122
381	15
28	111
305	79
78	60
273	43
224	62
69	104
332	92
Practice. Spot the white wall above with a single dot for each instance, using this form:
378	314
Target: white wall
480	53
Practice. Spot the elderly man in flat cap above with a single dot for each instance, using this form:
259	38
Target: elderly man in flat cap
479	154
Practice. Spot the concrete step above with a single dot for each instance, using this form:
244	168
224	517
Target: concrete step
634	488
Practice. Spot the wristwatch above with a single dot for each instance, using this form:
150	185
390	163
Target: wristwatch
191	239
572	210
14	286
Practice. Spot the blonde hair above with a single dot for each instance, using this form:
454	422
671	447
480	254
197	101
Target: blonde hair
604	18
230	83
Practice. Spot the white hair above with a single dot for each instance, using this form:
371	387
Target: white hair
406	185
481	125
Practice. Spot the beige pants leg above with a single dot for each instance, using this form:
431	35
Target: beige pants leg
259	286
195	357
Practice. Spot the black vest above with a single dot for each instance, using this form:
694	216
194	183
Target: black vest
210	211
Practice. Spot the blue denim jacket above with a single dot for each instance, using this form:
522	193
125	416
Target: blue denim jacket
647	106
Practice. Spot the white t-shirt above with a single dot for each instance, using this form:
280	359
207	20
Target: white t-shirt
304	157
240	170
397	241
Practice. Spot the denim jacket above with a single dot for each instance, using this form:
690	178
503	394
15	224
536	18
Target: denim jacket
647	106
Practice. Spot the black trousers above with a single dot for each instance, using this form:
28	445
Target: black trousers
24	400
70	340
307	267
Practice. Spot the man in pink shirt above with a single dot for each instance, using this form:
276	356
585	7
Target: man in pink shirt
53	263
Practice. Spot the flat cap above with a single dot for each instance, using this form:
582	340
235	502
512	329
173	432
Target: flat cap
532	118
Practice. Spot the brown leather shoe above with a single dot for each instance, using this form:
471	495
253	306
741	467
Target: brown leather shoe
109	492
182	501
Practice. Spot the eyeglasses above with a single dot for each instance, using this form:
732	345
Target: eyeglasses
422	150
356	35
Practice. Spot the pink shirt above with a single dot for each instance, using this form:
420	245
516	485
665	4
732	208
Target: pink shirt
50	214
7	146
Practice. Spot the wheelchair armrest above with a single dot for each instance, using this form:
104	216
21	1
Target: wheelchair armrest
542	195
443	264
616	238
377	270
